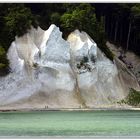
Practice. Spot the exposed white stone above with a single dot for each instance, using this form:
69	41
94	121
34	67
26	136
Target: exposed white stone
98	82
46	72
39	61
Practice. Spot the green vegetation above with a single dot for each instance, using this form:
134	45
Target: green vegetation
15	19
3	60
82	18
107	51
55	18
18	20
4	64
133	98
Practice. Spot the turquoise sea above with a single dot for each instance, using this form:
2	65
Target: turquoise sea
71	123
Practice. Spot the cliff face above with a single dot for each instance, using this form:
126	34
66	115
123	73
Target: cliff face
49	72
98	77
129	60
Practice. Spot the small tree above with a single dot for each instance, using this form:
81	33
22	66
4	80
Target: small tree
81	17
55	18
19	20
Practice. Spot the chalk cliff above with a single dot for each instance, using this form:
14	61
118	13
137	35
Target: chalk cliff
50	72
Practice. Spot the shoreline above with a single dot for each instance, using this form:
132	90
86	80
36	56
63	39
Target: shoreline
70	109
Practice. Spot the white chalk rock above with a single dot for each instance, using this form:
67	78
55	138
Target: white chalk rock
97	75
49	72
41	73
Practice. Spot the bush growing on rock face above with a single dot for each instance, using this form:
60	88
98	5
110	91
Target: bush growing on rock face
132	99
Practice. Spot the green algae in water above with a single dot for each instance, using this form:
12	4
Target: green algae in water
70	123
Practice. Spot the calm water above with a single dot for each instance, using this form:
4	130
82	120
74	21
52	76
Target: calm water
70	123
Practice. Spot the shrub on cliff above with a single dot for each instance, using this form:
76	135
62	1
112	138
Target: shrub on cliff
133	98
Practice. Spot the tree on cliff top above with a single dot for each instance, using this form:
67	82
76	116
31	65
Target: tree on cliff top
19	19
82	18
